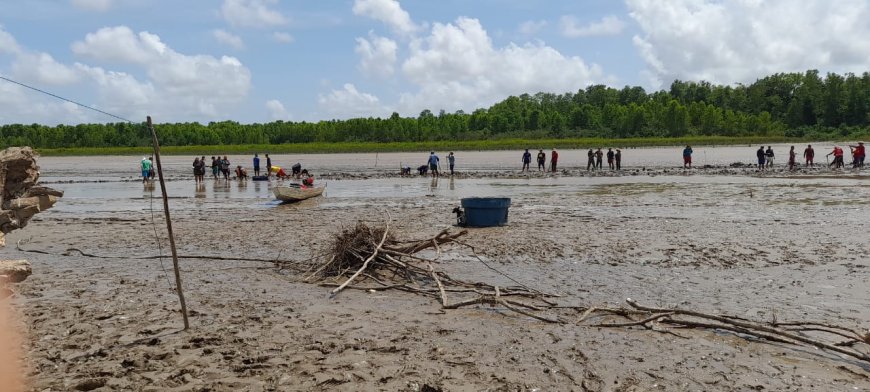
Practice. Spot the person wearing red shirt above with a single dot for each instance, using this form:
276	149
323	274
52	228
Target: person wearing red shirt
858	155
554	158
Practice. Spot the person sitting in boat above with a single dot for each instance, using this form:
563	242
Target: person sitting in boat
307	178
241	173
296	169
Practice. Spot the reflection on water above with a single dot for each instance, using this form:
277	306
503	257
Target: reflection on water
712	190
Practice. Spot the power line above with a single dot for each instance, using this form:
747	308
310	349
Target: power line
151	204
64	99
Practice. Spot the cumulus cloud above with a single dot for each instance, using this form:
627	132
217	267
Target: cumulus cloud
389	12
277	110
93	5
349	102
377	55
8	44
252	13
43	69
530	27
741	40
609	25
229	39
457	67
176	87
282	37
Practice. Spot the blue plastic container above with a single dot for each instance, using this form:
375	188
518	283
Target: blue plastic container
486	211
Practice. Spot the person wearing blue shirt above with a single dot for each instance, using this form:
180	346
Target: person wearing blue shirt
527	159
256	165
433	163
687	157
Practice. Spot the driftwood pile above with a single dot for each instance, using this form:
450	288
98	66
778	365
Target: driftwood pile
370	258
373	259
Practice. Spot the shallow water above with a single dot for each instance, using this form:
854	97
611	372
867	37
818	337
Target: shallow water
115	167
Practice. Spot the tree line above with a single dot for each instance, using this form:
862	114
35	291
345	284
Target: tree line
784	104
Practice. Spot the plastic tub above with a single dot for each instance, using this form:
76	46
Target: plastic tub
486	211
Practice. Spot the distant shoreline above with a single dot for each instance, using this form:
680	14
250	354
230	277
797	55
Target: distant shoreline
442	145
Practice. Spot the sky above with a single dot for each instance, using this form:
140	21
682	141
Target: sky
256	61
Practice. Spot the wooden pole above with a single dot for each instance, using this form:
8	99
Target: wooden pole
168	224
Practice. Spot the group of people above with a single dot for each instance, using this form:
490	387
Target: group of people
542	160
220	166
766	157
595	159
433	165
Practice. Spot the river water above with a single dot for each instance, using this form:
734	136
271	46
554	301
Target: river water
107	184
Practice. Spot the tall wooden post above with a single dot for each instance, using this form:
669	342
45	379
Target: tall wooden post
168	224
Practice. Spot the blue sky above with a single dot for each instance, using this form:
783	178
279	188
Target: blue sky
262	60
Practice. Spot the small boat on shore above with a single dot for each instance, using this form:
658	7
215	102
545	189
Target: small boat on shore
290	193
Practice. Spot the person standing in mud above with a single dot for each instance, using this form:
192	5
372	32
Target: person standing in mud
433	164
554	159
451	160
599	155
809	154
146	169
590	164
256	165
215	167
268	166
618	158
687	157
838	157
198	170
542	160
791	159
858	154
768	156
610	158
527	160
761	156
225	167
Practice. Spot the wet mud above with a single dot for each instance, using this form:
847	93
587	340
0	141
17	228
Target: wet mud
761	247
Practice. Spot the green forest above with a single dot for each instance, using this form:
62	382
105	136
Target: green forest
786	105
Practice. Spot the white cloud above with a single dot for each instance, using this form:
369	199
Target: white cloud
43	69
277	110
349	102
229	39
93	5
377	55
120	44
741	40
530	27
282	37
389	12
457	67
609	25
8	44
175	86
252	13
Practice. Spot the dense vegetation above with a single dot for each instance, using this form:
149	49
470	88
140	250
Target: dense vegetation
791	105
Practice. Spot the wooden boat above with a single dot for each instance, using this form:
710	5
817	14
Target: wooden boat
294	192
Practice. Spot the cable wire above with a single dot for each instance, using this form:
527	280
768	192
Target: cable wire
151	196
65	99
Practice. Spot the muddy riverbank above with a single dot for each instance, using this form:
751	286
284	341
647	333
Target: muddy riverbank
753	246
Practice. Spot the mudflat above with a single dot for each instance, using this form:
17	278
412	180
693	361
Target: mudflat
789	247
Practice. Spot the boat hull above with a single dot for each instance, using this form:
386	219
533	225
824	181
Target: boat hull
289	193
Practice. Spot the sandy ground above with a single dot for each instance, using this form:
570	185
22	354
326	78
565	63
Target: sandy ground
792	249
